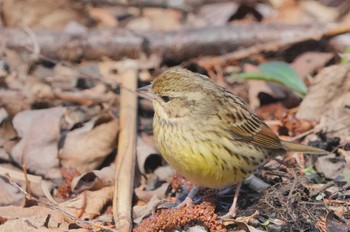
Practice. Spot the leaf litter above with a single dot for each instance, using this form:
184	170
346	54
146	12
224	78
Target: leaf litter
59	121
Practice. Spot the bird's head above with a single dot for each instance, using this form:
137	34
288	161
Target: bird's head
179	93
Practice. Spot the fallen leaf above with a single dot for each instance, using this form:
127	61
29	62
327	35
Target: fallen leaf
50	14
40	133
142	211
94	180
87	147
309	62
87	97
9	195
102	16
334	225
89	204
8	137
164	173
3	114
319	11
332	167
216	14
328	101
145	195
148	158
33	219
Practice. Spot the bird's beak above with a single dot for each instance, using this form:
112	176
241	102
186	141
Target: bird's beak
145	92
145	88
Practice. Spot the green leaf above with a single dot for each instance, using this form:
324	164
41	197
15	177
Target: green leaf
266	223
278	72
345	59
309	170
320	196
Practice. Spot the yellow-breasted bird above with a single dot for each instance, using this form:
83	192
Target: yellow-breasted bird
208	134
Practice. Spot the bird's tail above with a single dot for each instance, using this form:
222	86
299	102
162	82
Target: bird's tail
303	148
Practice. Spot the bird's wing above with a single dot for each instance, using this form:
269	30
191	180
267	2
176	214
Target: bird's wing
244	126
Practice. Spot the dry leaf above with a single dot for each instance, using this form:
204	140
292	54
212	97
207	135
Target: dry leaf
14	101
144	195
142	211
33	219
87	147
7	136
88	204
148	158
320	11
94	180
9	195
309	62
40	132
328	100
95	95
36	184
64	77
332	167
50	14
3	114
156	19
103	16
216	14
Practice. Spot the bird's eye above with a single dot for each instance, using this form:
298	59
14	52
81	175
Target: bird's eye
165	98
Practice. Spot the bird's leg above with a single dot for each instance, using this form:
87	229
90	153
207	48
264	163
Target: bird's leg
189	199
233	209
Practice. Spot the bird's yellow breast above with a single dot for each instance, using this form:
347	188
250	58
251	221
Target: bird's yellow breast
208	159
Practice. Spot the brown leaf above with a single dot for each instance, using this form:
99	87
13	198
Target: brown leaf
40	133
7	136
94	180
147	157
145	195
142	211
86	148
88	204
31	219
9	195
309	62
328	101
334	224
158	19
50	14
87	97
216	14
332	167
103	16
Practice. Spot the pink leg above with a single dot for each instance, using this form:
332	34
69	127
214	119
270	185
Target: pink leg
233	209
189	199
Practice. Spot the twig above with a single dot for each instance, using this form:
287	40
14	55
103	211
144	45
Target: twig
299	136
329	201
182	5
292	188
174	45
125	161
271	45
36	47
324	188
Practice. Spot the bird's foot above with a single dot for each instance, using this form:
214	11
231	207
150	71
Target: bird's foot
233	209
230	214
186	203
189	199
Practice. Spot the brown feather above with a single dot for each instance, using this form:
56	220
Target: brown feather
245	126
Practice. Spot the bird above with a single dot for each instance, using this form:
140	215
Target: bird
208	134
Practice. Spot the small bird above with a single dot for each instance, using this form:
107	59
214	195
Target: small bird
208	134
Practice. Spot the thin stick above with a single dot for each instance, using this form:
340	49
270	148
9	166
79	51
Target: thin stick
125	161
